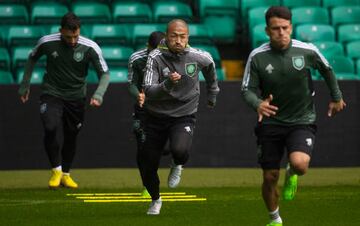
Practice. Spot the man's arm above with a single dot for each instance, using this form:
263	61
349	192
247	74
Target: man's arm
210	76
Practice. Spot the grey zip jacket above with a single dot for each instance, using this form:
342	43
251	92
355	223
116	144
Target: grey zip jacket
167	99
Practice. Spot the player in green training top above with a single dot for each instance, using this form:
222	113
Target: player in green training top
62	103
280	70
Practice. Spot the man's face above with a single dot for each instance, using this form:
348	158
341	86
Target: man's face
279	31
70	37
177	37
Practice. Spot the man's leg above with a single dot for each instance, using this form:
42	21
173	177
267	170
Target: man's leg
51	114
181	135
72	124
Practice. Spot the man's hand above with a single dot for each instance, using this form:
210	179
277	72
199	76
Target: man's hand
266	109
141	98
94	102
25	97
210	104
335	107
175	77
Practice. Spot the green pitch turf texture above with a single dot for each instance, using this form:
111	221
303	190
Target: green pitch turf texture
325	197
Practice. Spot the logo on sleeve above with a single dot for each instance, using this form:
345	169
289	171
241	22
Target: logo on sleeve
78	56
298	62
190	69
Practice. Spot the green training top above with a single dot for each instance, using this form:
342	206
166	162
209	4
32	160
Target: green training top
286	75
67	67
136	71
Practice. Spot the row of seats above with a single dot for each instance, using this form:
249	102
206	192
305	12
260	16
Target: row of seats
117	75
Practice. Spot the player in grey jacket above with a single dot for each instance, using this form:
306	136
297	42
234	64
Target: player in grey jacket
172	94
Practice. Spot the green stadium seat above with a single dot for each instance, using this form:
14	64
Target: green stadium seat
118	74
92	12
141	32
92	77
348	33
166	11
246	5
111	34
20	55
218	8
36	77
47	12
6	78
131	12
302	3
223	28
200	34
313	33
116	56
219	72
3	35
13	14
345	15
336	3
214	52
353	49
330	48
256	16
358	67
24	35
343	67
310	15
258	35
4	59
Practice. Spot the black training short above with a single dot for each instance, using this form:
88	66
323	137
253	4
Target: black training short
273	140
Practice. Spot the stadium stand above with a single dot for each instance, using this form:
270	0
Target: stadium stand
132	12
343	67
23	35
13	14
200	34
302	3
92	12
116	56
6	78
218	8
111	34
310	15
4	59
353	50
47	12
330	48
345	15
166	11
258	35
313	32
118	74
335	3
348	32
36	78
257	16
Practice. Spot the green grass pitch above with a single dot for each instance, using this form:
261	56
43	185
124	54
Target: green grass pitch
326	196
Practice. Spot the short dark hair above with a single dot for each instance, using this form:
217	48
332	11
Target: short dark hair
70	21
155	38
278	11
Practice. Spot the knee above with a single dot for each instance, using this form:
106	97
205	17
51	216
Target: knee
300	167
271	177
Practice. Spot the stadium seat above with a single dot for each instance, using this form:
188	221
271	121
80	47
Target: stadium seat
345	15
4	59
353	50
302	3
343	67
214	52
111	34
20	55
258	35
257	16
6	78
92	12
166	11
36	77
310	15
218	8
13	14
246	5
141	32
330	48
24	35
118	74
313	32
219	72
199	34
335	3
131	12
3	35
223	28
116	56
92	77
348	33
47	12
358	67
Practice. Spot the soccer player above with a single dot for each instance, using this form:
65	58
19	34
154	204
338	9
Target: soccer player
172	95
136	71
62	103
280	70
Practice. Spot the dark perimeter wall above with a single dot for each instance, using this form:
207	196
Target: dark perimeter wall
223	136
